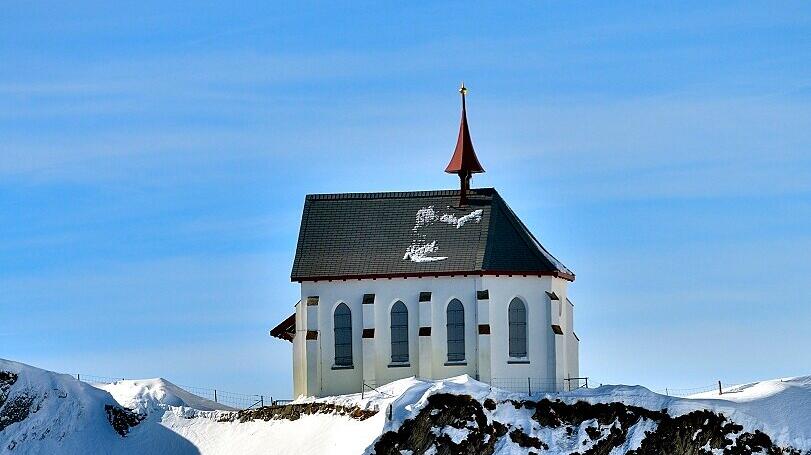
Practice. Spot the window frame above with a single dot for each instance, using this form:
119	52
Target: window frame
515	328
401	329
342	337
457	324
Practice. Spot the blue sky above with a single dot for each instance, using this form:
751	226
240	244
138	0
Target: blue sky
154	159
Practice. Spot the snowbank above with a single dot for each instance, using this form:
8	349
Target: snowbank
780	409
63	415
67	416
45	412
147	395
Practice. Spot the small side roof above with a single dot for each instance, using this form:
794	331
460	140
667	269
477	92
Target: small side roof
286	330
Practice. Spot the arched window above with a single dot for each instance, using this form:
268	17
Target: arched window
518	328
399	333
342	325
456	331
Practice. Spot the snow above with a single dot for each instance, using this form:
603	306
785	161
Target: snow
637	434
420	252
781	408
448	218
146	395
68	416
424	216
457	435
421	249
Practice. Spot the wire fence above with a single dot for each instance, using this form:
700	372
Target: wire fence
230	399
690	391
528	385
532	386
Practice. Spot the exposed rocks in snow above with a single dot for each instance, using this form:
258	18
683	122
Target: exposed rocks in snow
524	440
7	379
122	419
45	412
15	409
596	429
461	412
697	432
444	423
296	410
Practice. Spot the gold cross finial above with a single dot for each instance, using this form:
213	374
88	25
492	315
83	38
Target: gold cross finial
463	89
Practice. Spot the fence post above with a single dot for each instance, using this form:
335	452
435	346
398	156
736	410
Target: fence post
529	387
261	401
77	377
215	396
720	391
587	382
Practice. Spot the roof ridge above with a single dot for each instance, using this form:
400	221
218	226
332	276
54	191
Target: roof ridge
396	194
529	238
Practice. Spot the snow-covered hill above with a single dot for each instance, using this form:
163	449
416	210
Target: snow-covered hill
44	412
145	395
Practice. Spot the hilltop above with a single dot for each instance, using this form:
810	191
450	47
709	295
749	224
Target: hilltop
46	412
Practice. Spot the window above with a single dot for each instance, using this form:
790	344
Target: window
518	328
399	333
456	331
342	324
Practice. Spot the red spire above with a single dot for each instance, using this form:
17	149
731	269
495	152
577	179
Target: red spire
464	160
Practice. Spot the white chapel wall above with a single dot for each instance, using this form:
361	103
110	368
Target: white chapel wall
549	355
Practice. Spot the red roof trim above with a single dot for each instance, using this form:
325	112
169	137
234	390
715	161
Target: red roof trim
565	276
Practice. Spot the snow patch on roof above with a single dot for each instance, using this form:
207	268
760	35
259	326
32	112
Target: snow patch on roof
420	253
421	248
448	218
424	216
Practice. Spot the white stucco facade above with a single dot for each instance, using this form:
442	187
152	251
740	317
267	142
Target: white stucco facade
552	346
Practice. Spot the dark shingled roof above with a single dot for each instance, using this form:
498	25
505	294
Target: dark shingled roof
367	235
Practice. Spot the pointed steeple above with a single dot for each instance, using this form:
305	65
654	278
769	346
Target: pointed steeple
464	161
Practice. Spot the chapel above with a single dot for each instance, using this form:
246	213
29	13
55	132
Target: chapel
431	284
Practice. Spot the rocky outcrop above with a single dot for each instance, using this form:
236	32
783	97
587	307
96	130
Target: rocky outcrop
14	409
459	424
17	407
7	379
697	432
450	423
122	419
295	411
